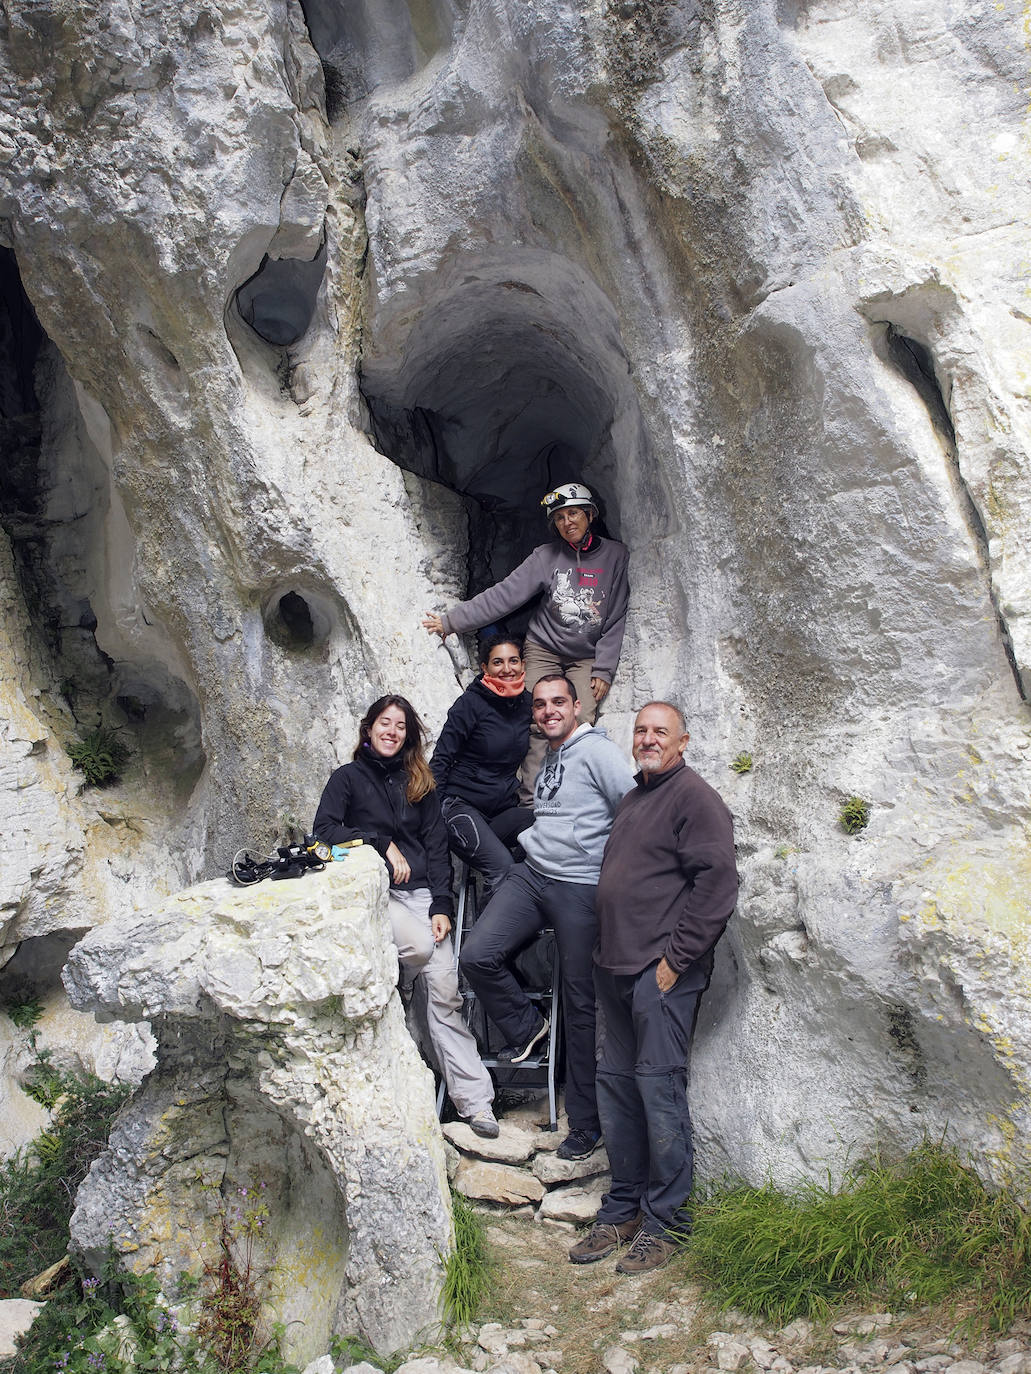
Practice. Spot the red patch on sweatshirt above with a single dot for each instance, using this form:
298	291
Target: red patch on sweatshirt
590	577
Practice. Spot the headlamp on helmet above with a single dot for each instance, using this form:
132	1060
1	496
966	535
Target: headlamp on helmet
569	494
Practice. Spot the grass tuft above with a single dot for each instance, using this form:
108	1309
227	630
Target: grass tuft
741	763
467	1276
924	1230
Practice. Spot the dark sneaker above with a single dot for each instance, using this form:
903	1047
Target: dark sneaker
603	1238
485	1123
647	1252
579	1145
515	1054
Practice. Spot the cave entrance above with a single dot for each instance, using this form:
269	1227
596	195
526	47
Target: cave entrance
513	380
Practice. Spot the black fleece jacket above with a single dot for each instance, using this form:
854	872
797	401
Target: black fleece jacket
482	744
365	800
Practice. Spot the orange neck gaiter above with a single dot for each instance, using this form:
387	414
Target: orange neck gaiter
511	687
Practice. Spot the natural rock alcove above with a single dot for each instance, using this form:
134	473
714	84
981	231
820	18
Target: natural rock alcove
513	379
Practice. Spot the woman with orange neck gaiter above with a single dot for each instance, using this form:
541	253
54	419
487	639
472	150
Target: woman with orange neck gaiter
476	763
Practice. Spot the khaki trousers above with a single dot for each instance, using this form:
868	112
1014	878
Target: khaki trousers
468	1083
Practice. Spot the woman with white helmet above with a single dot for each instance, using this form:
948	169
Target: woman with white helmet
577	627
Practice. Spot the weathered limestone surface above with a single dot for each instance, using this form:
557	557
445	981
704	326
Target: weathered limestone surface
284	1070
328	295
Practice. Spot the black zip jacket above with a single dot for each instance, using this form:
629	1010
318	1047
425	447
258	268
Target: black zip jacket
482	744
365	800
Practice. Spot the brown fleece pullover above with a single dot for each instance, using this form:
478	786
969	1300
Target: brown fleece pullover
668	876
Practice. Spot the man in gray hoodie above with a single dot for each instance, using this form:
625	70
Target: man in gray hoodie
582	781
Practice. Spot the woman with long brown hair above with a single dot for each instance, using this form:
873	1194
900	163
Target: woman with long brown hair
386	797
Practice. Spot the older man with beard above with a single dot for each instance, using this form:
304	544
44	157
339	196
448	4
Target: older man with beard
668	886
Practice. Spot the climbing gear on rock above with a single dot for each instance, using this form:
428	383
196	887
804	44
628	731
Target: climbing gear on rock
289	861
570	494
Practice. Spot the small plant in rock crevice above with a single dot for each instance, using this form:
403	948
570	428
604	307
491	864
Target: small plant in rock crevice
24	1012
99	755
232	1326
854	816
741	763
352	1350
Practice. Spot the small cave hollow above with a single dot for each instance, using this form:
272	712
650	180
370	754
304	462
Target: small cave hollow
512	383
278	301
369	43
297	620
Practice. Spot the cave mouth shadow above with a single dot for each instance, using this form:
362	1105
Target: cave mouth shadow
512	380
72	552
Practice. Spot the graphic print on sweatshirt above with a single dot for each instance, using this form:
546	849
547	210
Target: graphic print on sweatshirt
549	780
580	606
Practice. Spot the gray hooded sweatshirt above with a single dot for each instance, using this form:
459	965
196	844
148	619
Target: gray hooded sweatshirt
582	613
578	789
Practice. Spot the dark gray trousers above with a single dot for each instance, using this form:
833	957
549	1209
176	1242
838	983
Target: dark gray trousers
642	1096
525	903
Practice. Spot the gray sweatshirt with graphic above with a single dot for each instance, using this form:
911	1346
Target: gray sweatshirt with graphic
578	789
582	613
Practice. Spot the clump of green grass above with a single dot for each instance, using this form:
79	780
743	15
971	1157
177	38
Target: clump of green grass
100	756
467	1274
741	763
854	815
37	1186
923	1230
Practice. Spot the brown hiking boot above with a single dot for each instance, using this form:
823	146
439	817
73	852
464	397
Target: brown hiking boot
602	1239
646	1253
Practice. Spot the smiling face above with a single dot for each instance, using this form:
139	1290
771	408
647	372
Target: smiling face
659	739
572	524
555	713
387	732
505	662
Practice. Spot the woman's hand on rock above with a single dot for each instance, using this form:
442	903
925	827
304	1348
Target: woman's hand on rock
434	625
399	865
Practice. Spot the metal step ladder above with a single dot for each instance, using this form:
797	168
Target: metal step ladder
547	998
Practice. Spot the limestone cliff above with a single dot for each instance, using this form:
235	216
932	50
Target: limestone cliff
306	306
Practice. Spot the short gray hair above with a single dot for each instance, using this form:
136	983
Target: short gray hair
669	707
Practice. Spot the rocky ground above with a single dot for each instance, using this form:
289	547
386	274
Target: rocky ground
545	1314
550	1315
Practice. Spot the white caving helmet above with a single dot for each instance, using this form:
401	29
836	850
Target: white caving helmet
569	494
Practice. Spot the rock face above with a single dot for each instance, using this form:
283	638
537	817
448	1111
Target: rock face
284	1072
308	304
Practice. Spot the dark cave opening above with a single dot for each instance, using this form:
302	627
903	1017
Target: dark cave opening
371	43
512	382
